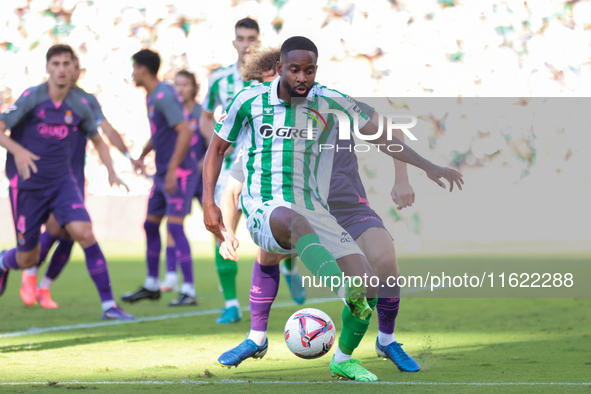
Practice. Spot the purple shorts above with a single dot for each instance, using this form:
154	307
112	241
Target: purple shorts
31	209
161	203
357	219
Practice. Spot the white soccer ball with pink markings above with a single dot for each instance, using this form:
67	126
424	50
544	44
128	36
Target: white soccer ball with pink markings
309	333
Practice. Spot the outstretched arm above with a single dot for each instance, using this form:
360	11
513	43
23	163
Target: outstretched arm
212	216
407	155
103	150
138	165
114	137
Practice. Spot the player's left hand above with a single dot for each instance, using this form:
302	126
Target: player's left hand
138	166
170	183
403	194
114	180
434	172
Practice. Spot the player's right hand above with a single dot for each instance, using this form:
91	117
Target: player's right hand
229	246
212	218
25	163
434	172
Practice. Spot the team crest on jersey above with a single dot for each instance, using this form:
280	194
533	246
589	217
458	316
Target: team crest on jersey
317	116
68	118
21	240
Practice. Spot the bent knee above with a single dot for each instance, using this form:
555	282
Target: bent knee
27	260
85	236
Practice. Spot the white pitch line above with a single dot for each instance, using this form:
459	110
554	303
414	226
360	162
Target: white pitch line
35	330
231	381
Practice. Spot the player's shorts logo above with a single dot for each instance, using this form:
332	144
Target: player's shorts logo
53	131
266	130
68	118
345	237
21	240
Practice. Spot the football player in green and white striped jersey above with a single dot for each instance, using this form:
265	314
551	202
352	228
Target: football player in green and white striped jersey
224	83
281	198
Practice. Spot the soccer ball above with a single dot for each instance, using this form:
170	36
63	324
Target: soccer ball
309	333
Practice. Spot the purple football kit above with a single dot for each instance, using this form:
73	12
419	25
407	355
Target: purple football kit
166	110
47	130
198	147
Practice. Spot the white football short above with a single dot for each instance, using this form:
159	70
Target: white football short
332	236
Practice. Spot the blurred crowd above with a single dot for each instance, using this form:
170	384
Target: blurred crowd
386	48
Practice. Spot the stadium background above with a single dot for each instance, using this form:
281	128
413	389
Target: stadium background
443	48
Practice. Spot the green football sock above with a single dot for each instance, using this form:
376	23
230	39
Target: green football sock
318	259
353	329
227	271
287	263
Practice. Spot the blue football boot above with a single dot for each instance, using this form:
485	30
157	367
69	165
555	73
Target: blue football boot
230	315
398	356
116	313
247	349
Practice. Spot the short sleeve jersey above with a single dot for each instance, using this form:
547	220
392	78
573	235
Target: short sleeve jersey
165	111
47	130
79	141
281	162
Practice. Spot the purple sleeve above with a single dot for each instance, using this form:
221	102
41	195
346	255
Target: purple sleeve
169	106
18	111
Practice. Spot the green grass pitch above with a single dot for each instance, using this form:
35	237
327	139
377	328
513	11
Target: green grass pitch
454	340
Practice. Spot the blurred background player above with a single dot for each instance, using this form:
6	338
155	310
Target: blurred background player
29	292
186	86
175	181
224	83
42	123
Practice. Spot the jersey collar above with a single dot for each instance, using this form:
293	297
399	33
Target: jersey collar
275	100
